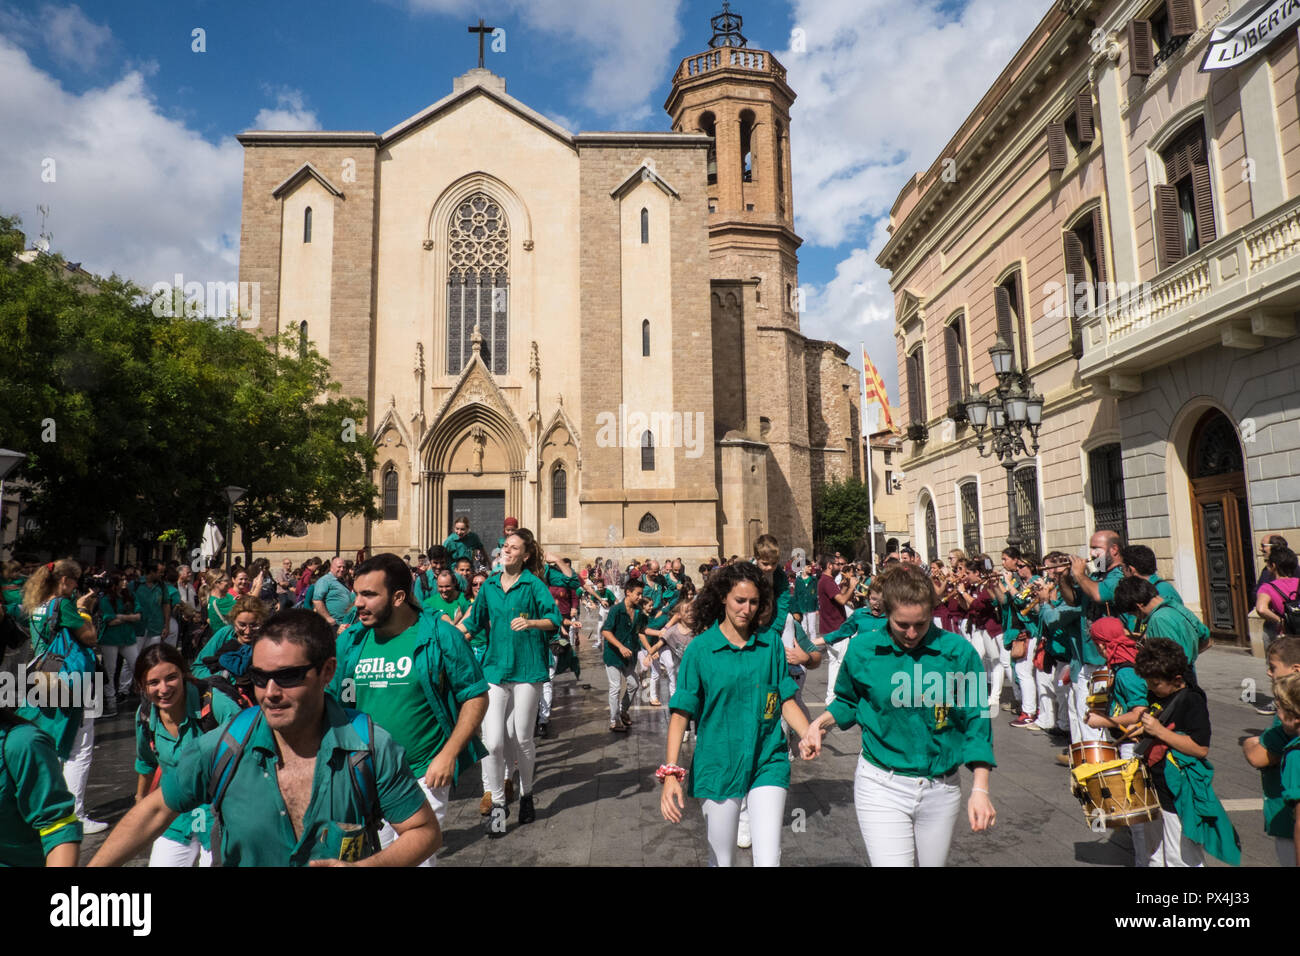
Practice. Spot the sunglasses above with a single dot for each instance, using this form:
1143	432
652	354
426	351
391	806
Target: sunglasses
286	677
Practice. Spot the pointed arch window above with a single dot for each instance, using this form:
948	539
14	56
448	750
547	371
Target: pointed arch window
647	451
645	337
478	283
306	225
559	492
390	494
645	226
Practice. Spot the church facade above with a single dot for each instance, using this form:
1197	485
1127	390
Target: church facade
595	333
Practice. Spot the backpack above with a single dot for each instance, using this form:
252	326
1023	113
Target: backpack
1290	609
361	772
63	656
207	722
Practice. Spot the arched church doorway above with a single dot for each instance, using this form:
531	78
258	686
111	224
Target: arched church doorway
1221	520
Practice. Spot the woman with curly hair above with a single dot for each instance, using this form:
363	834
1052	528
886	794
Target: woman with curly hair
734	682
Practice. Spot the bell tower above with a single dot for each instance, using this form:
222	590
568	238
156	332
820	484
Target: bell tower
739	96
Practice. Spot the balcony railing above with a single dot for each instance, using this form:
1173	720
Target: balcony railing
733	58
1196	301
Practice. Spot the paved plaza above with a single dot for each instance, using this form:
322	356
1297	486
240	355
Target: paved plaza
598	800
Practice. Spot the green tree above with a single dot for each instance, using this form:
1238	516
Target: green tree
842	516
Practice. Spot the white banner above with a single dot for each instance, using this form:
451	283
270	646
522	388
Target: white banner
1247	32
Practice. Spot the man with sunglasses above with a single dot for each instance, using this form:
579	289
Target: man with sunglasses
293	784
414	674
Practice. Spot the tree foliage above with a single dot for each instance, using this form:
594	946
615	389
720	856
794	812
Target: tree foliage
842	516
141	418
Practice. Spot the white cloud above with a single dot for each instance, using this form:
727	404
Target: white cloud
882	87
134	191
289	113
616	46
65	32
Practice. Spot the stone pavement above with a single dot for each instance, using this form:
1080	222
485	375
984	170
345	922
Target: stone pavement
598	801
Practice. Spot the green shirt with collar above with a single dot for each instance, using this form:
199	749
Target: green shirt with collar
60	723
256	829
861	621
626	629
1065	622
198	822
920	710
149	601
36	809
465	547
1176	624
1281	783
805	594
1128	690
514	656
735	696
111	632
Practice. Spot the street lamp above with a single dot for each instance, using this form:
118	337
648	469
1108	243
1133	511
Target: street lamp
8	462
338	514
233	494
1010	409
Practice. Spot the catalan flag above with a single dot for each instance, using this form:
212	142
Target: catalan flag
875	392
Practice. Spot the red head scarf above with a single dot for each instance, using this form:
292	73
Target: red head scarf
1115	645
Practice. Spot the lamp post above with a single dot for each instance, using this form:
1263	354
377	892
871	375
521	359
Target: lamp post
1008	411
8	461
233	493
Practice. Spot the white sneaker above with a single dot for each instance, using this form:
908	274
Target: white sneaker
89	826
742	834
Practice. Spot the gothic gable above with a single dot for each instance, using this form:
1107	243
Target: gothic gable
475	387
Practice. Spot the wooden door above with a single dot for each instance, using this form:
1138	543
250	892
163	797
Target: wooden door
1219	504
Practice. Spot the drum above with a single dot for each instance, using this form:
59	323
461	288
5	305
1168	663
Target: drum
1092	751
1099	687
1110	801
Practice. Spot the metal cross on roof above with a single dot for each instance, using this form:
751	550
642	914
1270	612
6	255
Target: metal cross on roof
726	28
482	31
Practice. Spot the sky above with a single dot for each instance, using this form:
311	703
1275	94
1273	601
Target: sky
119	116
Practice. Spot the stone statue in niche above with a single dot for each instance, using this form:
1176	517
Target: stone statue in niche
479	437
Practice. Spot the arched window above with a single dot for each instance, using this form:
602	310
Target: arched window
746	145
645	336
648	524
390	494
647	451
708	124
306	225
302	339
645	226
931	531
559	493
478	283
970	517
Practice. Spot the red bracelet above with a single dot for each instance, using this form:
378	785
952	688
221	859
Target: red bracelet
670	770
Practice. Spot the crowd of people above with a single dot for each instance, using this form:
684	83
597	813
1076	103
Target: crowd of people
321	714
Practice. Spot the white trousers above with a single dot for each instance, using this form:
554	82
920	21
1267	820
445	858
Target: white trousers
1079	729
544	705
1024	670
1169	847
834	656
660	666
437	799
167	852
626	676
1053	698
76	769
766	810
989	649
520	700
905	821
1008	676
128	654
810	624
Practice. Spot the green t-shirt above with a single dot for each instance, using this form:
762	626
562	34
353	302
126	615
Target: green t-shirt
922	711
860	621
435	604
1281	784
219	609
1176	624
388	689
626	630
149	601
36	809
1128	691
735	696
514	656
12	592
198	822
256	829
41	630
111	633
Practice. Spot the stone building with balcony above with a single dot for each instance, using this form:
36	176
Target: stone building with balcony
596	333
1128	225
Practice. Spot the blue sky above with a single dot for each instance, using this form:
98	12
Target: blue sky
141	126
